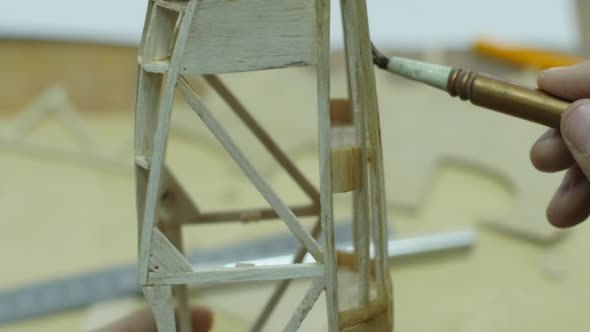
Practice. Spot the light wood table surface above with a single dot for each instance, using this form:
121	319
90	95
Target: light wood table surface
61	216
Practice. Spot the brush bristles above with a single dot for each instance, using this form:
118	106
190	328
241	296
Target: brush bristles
379	59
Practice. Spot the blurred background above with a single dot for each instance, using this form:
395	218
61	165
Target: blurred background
67	194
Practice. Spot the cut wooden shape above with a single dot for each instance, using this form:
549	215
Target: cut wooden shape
346	159
238	274
314	291
248	35
165	257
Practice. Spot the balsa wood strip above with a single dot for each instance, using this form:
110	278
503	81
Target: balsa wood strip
160	66
280	156
159	142
161	36
326	199
359	106
165	257
355	316
346	159
236	36
376	163
283	284
310	298
238	274
161	302
180	292
172	5
267	192
146	117
248	215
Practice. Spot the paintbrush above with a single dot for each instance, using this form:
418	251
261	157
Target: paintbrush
481	89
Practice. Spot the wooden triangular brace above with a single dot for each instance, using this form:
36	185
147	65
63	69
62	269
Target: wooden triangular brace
265	139
175	203
164	257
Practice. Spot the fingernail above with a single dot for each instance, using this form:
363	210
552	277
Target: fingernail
549	71
577	128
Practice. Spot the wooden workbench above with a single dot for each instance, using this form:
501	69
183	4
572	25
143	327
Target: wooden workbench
61	215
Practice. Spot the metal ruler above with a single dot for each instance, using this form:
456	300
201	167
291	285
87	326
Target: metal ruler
107	284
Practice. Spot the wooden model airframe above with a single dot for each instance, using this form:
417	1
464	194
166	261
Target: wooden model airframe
208	37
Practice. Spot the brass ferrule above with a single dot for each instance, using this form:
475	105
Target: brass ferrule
507	97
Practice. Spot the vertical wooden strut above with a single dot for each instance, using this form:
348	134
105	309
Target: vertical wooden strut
326	215
159	141
360	105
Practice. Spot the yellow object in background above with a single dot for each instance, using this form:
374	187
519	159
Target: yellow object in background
528	57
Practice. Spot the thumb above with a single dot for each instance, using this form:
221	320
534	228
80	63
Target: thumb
575	130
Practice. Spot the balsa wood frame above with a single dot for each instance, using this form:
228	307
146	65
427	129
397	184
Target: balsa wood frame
183	38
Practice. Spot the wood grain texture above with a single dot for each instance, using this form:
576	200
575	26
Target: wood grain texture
365	80
165	257
265	190
346	159
360	104
359	315
248	35
180	292
160	139
326	199
161	302
238	274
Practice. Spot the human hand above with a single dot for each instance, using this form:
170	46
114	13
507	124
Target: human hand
568	148
143	321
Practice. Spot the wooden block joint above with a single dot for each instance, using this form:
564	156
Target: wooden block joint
346	169
341	112
346	159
